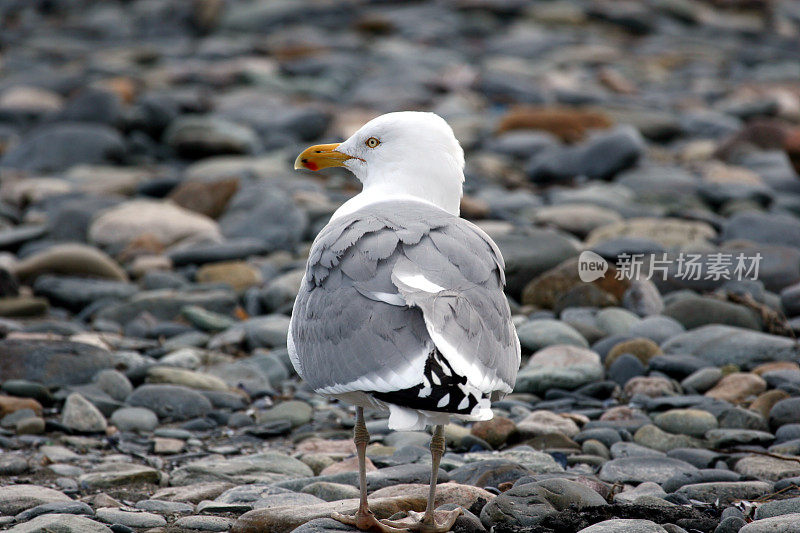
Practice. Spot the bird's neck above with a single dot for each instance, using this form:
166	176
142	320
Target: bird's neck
432	193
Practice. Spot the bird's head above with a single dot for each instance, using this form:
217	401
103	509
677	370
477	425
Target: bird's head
407	153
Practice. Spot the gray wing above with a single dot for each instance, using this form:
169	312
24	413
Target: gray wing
363	319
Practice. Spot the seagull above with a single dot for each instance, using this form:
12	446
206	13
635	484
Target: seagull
401	307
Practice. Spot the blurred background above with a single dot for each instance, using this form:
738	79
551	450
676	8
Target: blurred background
153	233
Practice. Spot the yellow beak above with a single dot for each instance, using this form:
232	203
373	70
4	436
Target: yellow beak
320	156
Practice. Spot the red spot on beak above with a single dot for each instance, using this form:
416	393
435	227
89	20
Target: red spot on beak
310	165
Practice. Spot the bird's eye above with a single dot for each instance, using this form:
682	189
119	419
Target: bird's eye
372	142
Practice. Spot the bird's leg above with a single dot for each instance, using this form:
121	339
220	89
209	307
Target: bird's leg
363	519
426	523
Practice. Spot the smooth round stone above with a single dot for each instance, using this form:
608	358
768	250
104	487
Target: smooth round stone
646	489
12	464
130	518
777	508
767	468
677	366
693	422
17	498
607	436
654	437
537	334
114	383
643	349
697	456
73	507
134	419
703	379
787	432
787	523
616	321
544	422
730	524
657	328
740	418
641	469
625	367
785	412
67	523
164	507
559	366
721	345
726	492
81	415
631	449
331	492
624	525
27	389
170	401
204	523
694	311
294	411
698	476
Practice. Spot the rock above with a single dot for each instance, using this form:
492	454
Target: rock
108	475
699	476
209	199
723	345
265	213
526	505
767	468
544	422
496	431
170	402
195	137
550	287
657	439
626	525
72	507
185	378
693	422
81	415
777	508
726	492
137	519
643	349
668	232
268	331
76	293
204	523
568	124
265	467
17	498
56	362
537	334
194	493
58	146
66	523
656	328
561	366
238	274
760	227
616	321
531	254
69	260
703	379
693	312
136	419
653	387
601	157
167	304
294	411
579	219
646	489
331	492
737	387
10	404
168	223
775	524
641	469
624	368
